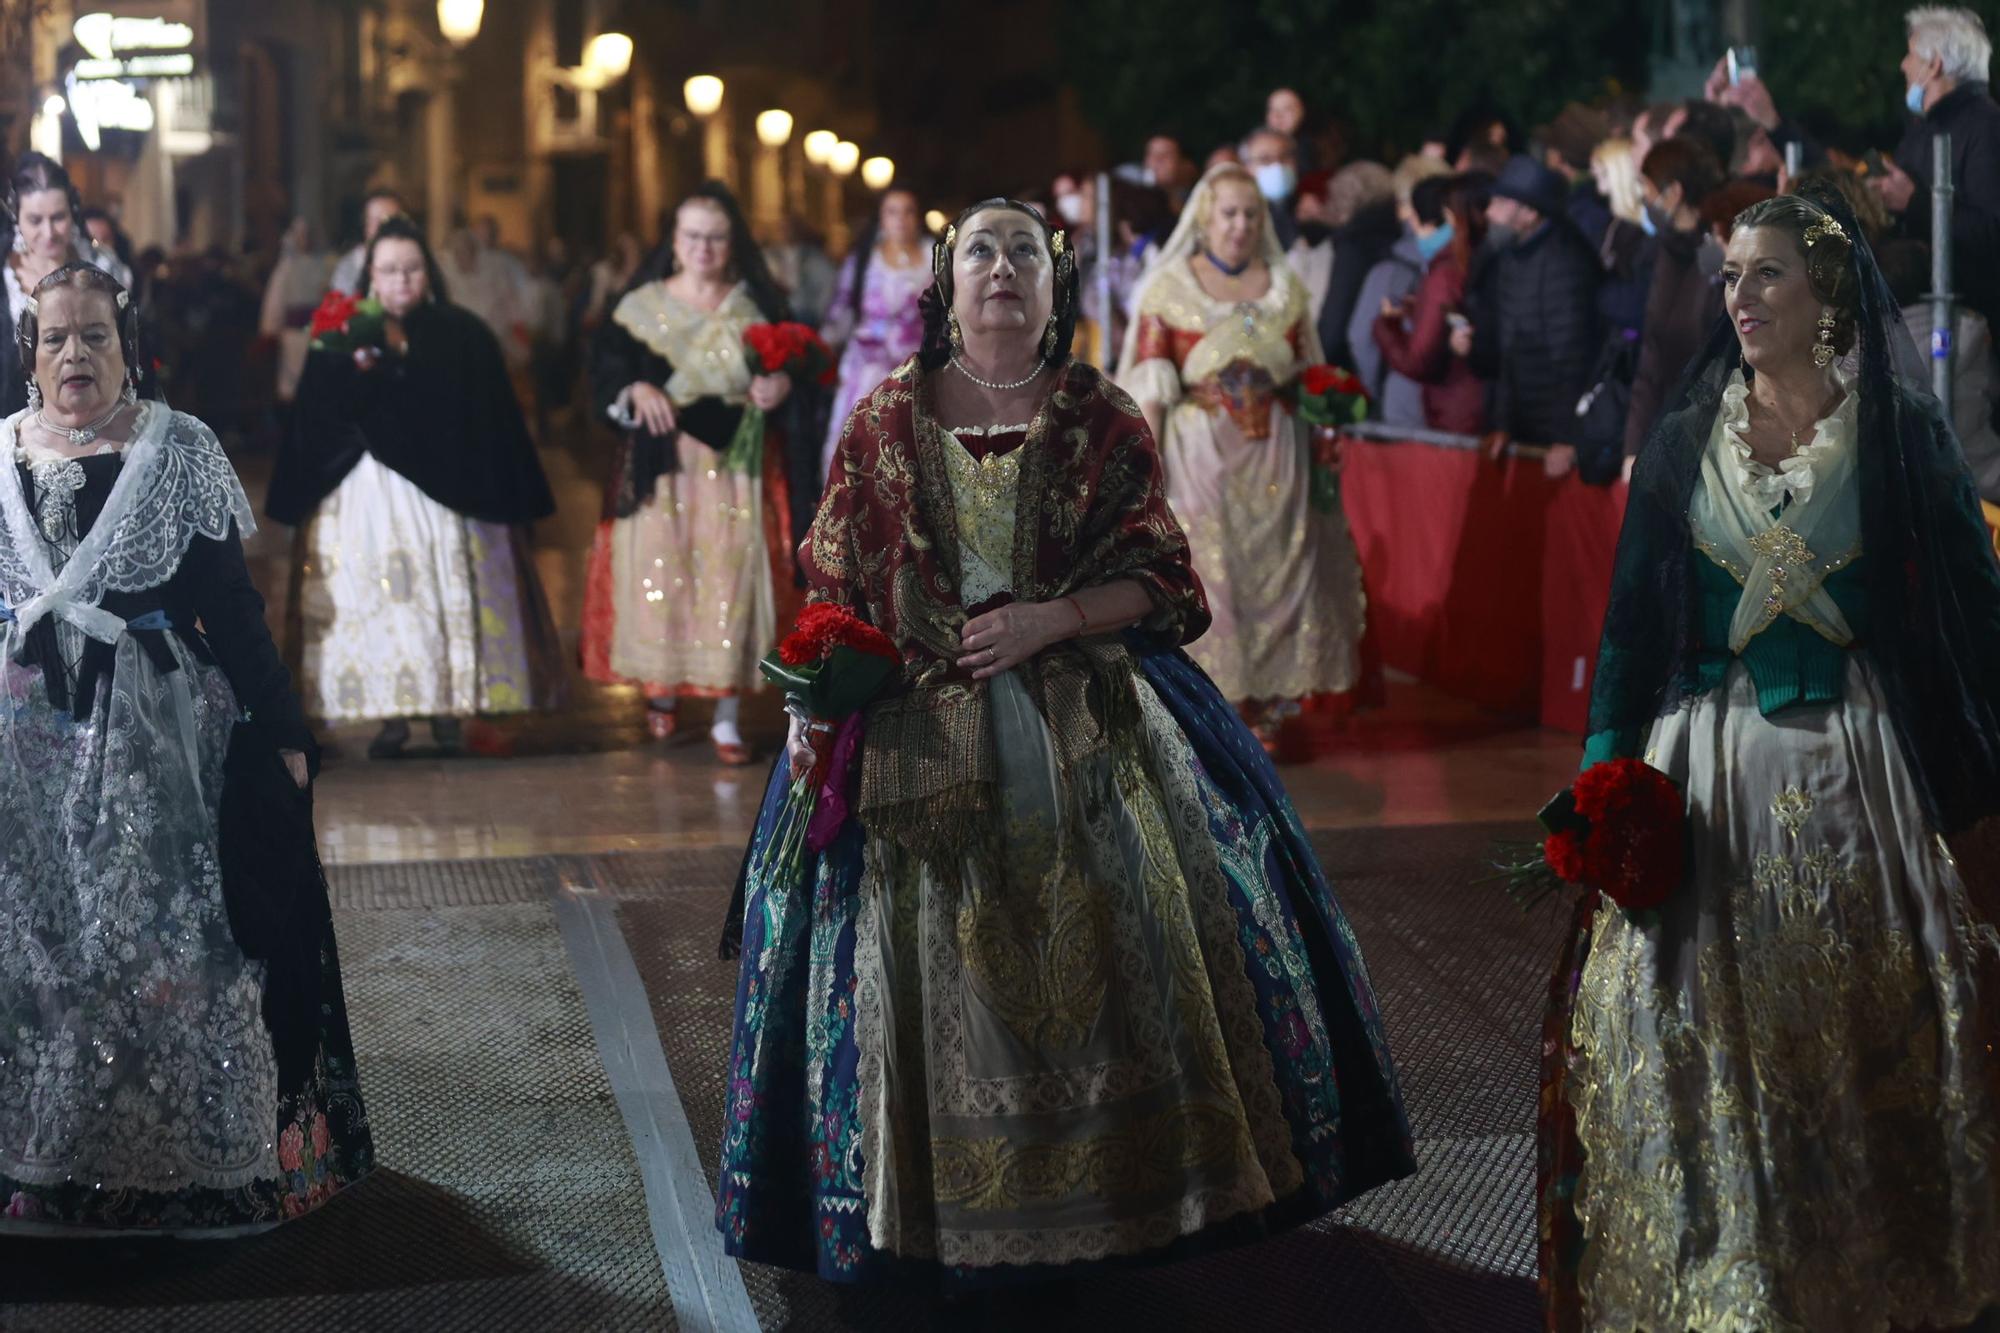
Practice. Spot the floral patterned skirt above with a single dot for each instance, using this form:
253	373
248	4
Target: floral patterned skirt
1145	1031
139	1085
1784	1088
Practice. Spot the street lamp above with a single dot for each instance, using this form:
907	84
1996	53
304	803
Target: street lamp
819	146
844	158
703	95
609	55
877	172
459	20
774	127
936	221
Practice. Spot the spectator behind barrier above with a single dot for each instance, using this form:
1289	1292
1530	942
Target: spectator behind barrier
1535	314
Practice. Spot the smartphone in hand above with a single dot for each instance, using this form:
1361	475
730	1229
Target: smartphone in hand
1742	60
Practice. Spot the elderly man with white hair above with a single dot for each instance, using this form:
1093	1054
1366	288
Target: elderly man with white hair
1945	72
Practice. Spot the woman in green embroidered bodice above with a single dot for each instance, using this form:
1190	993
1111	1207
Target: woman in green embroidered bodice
1784	1071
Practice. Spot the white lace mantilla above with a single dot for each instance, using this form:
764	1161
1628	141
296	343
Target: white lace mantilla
176	485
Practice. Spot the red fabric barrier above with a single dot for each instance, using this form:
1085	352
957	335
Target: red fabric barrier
1582	537
1485	579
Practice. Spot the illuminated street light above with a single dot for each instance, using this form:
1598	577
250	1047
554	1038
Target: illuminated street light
703	94
459	20
936	220
877	172
774	127
844	158
819	146
609	55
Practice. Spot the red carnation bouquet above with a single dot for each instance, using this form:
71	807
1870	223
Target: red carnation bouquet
356	326
1329	398
1620	830
830	667
779	348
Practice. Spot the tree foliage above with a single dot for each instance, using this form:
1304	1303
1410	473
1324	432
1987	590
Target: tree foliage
1392	70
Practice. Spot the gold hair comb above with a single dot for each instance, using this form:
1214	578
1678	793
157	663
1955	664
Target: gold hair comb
1825	227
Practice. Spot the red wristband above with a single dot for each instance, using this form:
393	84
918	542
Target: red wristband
1082	620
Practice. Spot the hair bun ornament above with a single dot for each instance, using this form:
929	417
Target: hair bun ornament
941	251
930	304
1827	227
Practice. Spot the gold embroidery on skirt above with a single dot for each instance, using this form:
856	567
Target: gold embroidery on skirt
1682	1132
1042	958
1793	808
1153	1155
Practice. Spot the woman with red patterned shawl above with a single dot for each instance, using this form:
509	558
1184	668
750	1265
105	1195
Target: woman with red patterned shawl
1069	985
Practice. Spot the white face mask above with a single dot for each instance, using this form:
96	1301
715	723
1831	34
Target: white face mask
1275	180
1071	207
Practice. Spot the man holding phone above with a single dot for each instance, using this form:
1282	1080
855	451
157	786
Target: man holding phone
1945	73
1944	66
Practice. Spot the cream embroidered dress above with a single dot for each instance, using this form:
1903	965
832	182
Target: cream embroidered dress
689	578
1781	1087
1283	579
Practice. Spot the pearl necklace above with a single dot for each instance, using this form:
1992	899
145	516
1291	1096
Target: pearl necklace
82	435
998	388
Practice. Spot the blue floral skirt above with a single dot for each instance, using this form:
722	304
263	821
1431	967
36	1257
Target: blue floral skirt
1145	1032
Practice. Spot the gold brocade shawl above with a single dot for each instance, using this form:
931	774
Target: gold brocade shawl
705	347
1091	508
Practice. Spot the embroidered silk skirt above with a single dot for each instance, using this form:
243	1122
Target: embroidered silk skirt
1784	1088
1283	580
411	610
1144	1025
680	597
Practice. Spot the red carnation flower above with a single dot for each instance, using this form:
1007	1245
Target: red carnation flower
1564	855
333	313
1636	849
824	626
1318	379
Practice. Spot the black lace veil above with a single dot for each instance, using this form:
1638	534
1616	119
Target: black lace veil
1932	583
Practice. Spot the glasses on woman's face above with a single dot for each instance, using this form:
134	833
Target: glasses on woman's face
702	242
385	273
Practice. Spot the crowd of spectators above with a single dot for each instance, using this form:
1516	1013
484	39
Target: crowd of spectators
1547	289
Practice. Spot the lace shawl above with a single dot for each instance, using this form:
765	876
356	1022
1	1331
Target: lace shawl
176	485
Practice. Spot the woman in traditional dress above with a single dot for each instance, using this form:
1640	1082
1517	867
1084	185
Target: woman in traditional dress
45	231
1070	985
1220	335
172	1034
1783	1082
873	320
412	475
681	597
